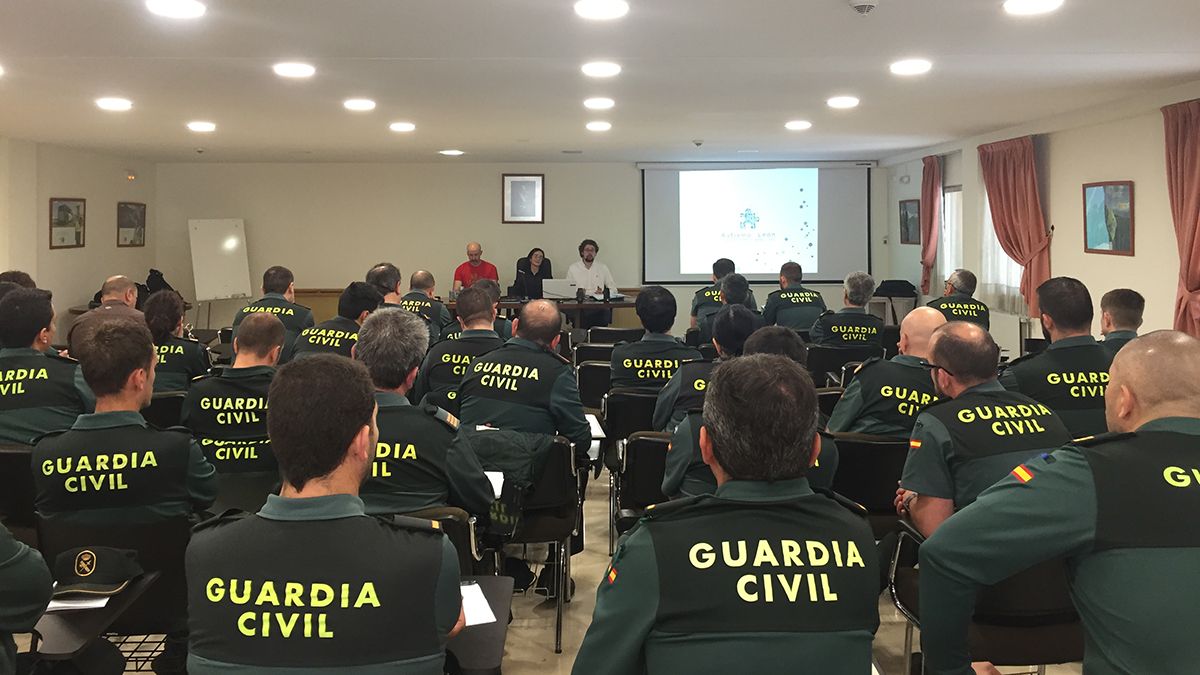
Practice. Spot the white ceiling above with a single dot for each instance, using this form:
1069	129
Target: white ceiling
500	78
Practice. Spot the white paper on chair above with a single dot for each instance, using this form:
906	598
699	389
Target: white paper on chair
475	605
71	604
597	432
497	478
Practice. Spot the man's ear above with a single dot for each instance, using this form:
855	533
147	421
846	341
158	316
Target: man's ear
553	343
362	316
353	347
517	322
360	448
411	378
706	451
816	450
235	346
275	354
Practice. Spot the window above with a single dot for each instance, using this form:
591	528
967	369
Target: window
1000	275
950	250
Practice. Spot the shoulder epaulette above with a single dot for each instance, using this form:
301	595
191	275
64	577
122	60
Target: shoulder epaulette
205	376
1019	360
224	518
441	416
174	427
667	508
302	306
1100	439
849	504
415	524
561	359
58	357
864	364
827	312
695	361
48	434
940	400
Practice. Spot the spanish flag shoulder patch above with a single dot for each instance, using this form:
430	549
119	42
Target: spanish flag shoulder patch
1022	473
612	575
914	444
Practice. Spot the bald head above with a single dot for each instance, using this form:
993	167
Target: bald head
916	330
474	253
965	352
1155	376
538	322
421	280
120	288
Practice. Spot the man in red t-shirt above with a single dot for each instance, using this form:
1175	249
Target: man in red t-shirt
474	269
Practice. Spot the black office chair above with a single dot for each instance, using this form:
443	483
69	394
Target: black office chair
624	412
589	351
827	399
691	338
16	485
849	369
165	409
891	341
593	378
565	344
246	491
803	333
639	483
869	469
225	335
608	335
459	527
708	351
825	363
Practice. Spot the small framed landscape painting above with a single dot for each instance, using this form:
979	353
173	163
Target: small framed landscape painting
1108	218
131	224
523	198
68	222
910	221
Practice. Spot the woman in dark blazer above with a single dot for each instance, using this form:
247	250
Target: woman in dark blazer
531	270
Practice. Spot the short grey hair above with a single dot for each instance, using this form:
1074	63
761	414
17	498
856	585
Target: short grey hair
391	342
859	288
963	281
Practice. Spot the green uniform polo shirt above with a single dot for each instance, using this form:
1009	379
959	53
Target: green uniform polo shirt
1117	339
707	301
27	585
1139	604
649	362
683	393
39	392
1070	376
884	398
295	318
180	360
850	327
962	307
793	307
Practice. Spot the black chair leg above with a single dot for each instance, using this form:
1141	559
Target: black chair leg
560	568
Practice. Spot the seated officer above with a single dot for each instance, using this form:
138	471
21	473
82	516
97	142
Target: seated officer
684	392
1113	507
420	301
40	390
964	443
721	583
420	460
118	300
279	298
1120	317
1071	373
956	302
793	306
525	385
447	361
651	361
734	291
112	467
708	300
180	359
853	326
227	411
311	583
502	327
386	279
27	587
337	335
885	397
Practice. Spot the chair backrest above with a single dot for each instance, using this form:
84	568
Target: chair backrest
823	359
564	344
457	525
708	351
869	468
245	491
589	351
556	487
827	399
16	484
804	334
849	369
165	409
1037	596
608	335
891	341
225	335
160	547
692	337
642	474
628	410
594	379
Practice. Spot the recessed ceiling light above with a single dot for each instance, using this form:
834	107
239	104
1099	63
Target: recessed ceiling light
911	67
359	104
1031	7
843	102
114	104
451	153
202	127
293	69
177	9
601	69
602	10
598	126
599	103
798	125
402	127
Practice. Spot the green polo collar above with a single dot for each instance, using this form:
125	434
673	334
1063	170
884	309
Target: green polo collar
1181	425
763	491
390	399
853	310
524	344
959	296
329	507
658	337
110	420
275	296
244	373
1115	335
478	332
349	324
910	361
1073	341
991	385
20	351
416	295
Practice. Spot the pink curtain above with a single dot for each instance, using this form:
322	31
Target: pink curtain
1182	126
1010	176
931	216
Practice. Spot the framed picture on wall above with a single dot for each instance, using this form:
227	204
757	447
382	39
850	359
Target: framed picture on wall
1108	218
68	222
910	221
131	224
523	198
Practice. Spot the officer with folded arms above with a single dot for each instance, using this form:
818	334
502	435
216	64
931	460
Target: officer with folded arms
761	576
1116	506
323	608
852	326
653	360
957	303
793	306
279	298
448	361
337	335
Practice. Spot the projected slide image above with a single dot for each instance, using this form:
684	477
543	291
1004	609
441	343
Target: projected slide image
760	219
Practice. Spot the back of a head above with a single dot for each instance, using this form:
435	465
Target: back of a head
860	286
18	277
489	286
917	327
24	312
358	297
723	267
1125	306
777	340
421	280
474	305
966	351
539	322
391	343
1067	301
318	405
656	308
385	276
732	326
7	287
772	438
792	272
116	287
259	333
277	280
1162	369
963	281
109	354
163	310
735	289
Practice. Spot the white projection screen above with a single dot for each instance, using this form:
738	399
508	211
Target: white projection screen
758	215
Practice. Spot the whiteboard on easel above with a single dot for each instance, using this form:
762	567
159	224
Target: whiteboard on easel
220	266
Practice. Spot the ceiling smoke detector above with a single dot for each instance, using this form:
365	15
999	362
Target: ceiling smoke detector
864	7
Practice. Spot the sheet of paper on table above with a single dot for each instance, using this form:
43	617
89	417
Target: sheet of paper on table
71	604
475	605
597	432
